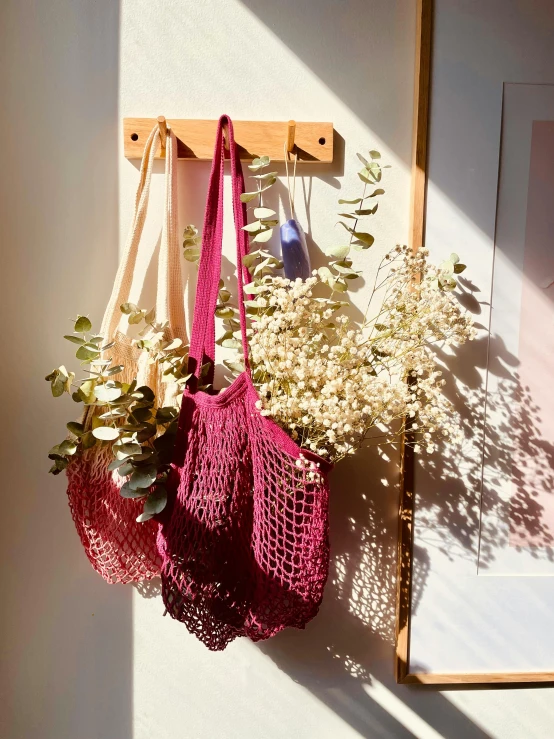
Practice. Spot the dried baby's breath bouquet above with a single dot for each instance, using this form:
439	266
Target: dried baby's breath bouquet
335	385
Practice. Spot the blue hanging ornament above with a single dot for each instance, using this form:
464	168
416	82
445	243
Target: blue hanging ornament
294	250
296	260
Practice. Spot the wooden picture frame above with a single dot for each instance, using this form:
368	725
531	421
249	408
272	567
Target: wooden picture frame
404	674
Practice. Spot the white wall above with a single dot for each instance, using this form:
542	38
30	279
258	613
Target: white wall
84	660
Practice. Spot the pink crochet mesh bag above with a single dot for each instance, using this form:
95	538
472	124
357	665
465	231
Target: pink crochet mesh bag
119	548
244	540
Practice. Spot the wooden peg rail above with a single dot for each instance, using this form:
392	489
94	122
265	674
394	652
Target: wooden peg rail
311	142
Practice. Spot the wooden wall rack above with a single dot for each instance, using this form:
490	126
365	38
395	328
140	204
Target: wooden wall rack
311	142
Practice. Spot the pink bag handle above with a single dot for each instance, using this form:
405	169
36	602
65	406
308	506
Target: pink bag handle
202	343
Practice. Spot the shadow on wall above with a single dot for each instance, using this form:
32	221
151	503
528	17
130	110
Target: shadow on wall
349	645
66	642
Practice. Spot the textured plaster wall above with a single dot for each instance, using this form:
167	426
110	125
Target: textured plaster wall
83	660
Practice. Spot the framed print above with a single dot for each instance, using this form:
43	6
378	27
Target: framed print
475	593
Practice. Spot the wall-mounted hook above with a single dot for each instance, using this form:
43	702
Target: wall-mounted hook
226	137
162	124
291	131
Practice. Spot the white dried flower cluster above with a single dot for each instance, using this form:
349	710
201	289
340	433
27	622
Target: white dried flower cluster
333	386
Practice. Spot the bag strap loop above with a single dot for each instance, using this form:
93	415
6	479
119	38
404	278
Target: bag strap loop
134	262
202	344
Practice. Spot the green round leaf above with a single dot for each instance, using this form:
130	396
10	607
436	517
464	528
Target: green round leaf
143	477
156	501
76	428
107	394
192	253
105	433
88	440
144	517
127	492
340	252
75	339
82	325
128	308
67	447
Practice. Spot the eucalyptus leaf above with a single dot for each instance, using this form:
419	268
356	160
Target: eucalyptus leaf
365	238
143	517
146	393
128	308
127	492
263	236
82	325
156	501
58	386
166	414
105	433
258	163
142	414
265	176
246	197
135	318
143	477
175	344
115	464
252	227
231	344
115	370
126	468
225	312
86	355
234	366
263	213
76	428
192	253
249	259
88	440
340	286
107	394
340	252
147	432
127	449
75	339
67	447
375	170
113	414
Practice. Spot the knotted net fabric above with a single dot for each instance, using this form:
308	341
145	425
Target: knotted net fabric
118	547
244	541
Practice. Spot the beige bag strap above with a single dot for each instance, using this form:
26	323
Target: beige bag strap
170	295
134	262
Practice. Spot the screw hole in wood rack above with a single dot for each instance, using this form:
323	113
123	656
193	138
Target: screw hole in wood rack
311	142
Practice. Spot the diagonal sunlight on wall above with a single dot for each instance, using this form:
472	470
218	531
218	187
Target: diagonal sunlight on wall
260	60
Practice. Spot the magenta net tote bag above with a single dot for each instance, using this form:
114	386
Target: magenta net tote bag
244	540
119	548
